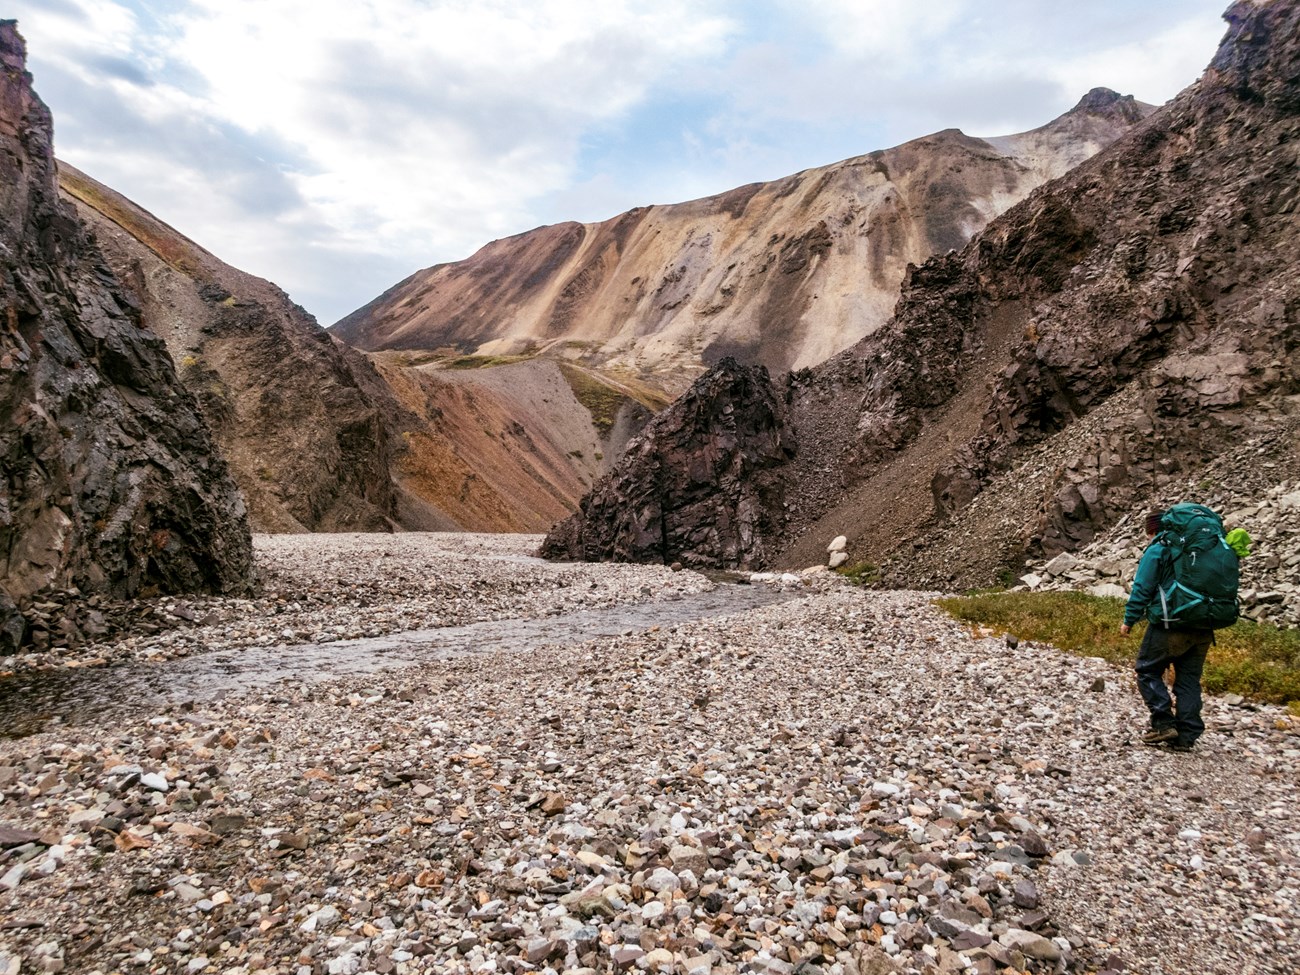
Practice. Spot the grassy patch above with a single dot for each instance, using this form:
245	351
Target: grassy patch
1252	659
601	400
482	361
860	573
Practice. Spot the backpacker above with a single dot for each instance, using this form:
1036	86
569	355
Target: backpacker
1198	572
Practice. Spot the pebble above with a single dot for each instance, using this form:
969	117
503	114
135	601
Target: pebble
850	798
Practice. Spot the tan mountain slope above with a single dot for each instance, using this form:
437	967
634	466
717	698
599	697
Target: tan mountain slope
784	274
1124	337
507	448
320	438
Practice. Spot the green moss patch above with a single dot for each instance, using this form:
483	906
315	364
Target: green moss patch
1252	659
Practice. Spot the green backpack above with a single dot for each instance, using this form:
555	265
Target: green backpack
1198	572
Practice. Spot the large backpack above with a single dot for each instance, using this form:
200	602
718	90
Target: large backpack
1198	572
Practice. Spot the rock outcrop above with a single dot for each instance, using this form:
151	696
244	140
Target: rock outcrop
321	437
693	487
1093	348
308	427
109	479
782	274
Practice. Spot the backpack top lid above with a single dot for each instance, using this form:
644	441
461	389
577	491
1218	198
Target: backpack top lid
1187	516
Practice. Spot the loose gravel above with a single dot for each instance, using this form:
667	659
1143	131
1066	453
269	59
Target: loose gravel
845	782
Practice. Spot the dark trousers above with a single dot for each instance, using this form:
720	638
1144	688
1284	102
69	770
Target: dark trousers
1159	651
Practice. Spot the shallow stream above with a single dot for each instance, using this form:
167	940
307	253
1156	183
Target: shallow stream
37	700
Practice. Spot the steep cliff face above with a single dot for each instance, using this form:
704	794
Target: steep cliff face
109	480
1091	350
781	274
306	424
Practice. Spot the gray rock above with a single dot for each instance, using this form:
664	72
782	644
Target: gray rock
1060	565
688	858
1030	945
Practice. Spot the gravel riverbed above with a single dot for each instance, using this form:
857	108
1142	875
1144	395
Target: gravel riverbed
843	782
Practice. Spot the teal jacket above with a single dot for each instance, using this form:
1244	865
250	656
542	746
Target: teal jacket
1145	584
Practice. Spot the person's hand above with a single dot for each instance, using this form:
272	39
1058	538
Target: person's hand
1123	629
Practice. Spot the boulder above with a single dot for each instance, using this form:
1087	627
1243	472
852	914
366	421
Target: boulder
1109	590
692	488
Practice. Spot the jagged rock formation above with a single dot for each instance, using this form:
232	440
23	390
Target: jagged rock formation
1093	348
693	484
109	480
782	274
321	437
305	422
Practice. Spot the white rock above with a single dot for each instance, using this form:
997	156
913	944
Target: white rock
1108	590
663	879
14	876
154	780
321	920
838	544
837	559
53	860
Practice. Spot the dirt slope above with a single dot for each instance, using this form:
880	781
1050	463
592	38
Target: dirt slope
1093	350
782	274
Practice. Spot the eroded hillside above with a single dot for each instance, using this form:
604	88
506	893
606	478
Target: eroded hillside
1090	351
782	274
322	438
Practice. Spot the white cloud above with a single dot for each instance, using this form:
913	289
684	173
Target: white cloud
417	122
892	30
336	145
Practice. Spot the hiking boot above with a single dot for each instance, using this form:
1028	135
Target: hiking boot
1180	746
1157	736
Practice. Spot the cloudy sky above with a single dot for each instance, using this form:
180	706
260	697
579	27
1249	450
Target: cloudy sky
335	146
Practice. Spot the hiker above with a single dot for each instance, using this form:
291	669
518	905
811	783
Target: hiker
1167	643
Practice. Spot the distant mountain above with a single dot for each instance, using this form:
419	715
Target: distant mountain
783	274
321	437
110	483
1127	335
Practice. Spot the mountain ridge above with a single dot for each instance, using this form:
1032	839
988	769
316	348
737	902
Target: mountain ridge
770	272
1088	352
